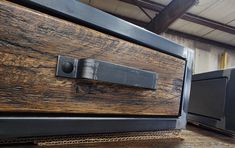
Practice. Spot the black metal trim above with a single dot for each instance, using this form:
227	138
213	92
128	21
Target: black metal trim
44	126
181	121
208	123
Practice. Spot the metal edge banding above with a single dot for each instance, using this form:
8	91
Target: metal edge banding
230	101
48	126
182	120
104	21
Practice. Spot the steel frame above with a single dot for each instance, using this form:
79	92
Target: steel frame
37	125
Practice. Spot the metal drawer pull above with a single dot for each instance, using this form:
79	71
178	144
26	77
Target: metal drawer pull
105	72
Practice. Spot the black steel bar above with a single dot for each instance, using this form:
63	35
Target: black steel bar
105	72
145	13
145	4
49	126
174	10
209	23
200	39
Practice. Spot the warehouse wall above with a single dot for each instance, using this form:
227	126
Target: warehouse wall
206	56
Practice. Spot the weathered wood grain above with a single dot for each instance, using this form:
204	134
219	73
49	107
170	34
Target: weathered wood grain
30	42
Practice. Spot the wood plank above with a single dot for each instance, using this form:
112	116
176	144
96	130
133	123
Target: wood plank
30	42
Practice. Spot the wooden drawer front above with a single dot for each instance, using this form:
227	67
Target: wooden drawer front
30	42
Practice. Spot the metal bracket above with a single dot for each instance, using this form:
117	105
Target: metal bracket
105	72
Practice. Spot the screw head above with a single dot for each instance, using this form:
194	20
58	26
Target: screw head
67	67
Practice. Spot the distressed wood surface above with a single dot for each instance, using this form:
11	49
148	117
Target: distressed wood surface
30	42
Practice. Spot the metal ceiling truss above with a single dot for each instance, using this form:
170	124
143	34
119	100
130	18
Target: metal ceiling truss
150	5
181	34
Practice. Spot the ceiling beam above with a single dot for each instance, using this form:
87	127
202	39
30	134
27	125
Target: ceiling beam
150	5
181	34
200	39
209	23
174	10
145	4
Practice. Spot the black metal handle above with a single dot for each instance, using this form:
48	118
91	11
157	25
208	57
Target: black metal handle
106	72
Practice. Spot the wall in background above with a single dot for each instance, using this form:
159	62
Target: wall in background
206	56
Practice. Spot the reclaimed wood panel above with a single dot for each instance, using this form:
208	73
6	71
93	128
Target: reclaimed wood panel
30	42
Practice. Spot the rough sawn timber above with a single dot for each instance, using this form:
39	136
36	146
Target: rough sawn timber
30	42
